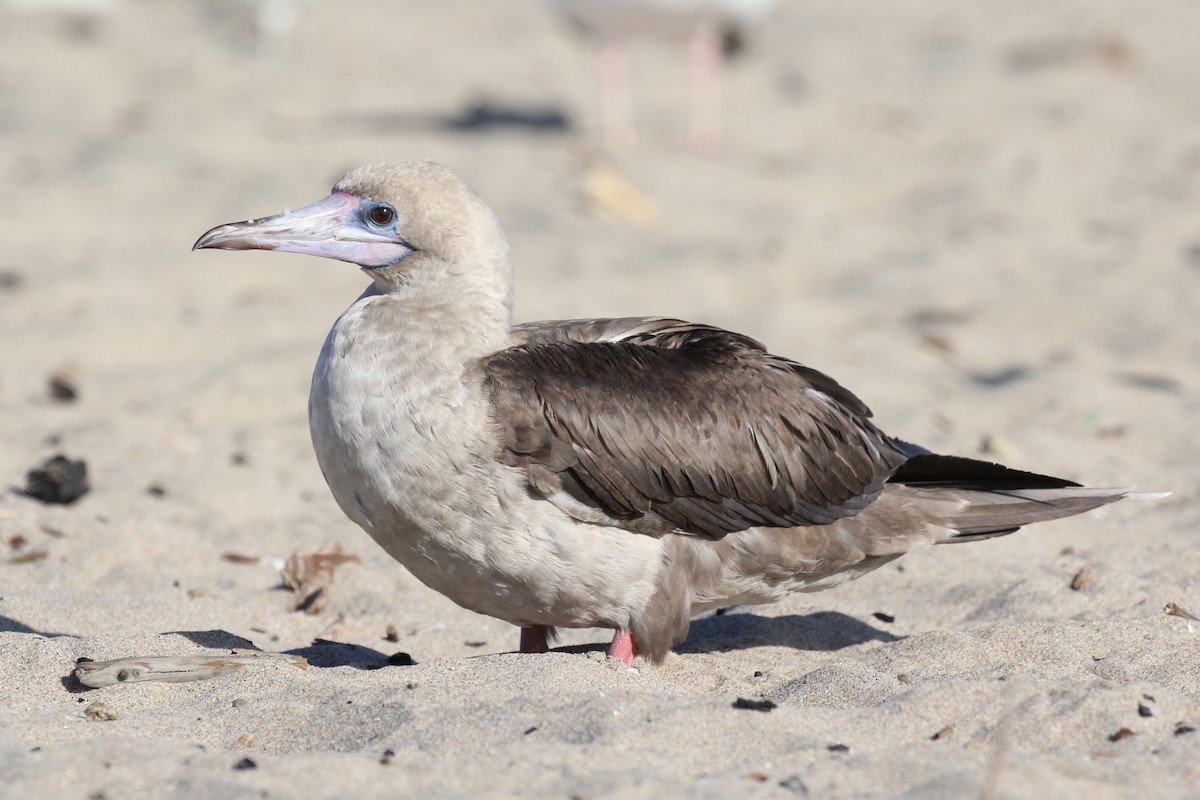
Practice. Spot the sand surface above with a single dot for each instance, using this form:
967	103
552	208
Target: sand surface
981	217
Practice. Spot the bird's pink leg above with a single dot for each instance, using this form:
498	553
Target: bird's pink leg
616	102
704	56
622	646
533	640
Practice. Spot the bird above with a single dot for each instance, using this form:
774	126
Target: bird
713	29
621	473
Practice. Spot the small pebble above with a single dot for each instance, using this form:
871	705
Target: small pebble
391	634
1084	578
10	280
794	785
754	705
62	387
882	617
944	733
1145	710
246	763
838	748
98	712
1183	728
1191	254
58	480
238	702
387	756
1123	733
246	740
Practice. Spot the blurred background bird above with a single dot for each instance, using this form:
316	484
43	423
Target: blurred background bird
712	30
261	27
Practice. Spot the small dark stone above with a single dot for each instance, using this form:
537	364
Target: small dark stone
62	388
84	660
1123	733
1152	381
754	705
1183	728
838	748
794	785
1191	254
58	480
475	644
387	756
1001	377
530	729
154	490
1147	711
400	659
882	617
246	763
239	459
10	280
758	673
391	634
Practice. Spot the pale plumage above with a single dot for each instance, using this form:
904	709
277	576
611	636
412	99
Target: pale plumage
620	473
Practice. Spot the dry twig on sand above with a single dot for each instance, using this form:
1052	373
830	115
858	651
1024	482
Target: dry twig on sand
173	669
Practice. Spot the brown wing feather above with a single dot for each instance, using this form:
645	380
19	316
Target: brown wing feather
659	424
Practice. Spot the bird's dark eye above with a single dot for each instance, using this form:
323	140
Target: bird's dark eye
382	215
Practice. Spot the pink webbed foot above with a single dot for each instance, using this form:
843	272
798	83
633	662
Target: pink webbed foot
533	640
622	646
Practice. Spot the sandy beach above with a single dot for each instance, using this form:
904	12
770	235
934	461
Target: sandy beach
979	217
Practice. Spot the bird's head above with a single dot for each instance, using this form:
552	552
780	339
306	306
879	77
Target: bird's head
410	225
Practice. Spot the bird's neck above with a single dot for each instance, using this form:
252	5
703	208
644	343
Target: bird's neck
460	307
447	328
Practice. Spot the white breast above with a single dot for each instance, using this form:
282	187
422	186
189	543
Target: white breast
403	438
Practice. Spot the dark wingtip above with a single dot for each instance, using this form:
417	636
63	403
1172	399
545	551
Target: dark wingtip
931	469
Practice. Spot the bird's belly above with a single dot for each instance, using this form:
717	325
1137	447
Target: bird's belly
462	523
531	567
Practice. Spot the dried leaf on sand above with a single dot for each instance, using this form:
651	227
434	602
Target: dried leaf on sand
309	573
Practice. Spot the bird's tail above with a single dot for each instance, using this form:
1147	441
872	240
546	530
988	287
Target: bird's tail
994	500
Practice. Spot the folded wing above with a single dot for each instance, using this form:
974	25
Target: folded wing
657	425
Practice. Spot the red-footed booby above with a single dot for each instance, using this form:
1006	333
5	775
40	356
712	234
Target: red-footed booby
712	28
616	473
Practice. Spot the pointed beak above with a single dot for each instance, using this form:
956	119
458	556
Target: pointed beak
329	228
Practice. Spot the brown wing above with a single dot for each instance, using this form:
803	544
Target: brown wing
656	425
